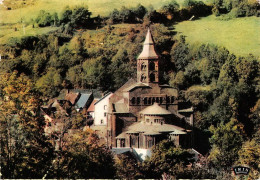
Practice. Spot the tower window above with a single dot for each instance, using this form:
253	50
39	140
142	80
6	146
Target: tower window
143	66
143	77
151	66
152	77
172	99
168	99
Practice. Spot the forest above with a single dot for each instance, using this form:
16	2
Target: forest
99	52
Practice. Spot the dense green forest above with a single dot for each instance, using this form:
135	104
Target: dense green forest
100	52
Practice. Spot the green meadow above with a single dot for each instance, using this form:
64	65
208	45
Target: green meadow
240	35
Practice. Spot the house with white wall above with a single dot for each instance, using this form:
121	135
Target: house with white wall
101	110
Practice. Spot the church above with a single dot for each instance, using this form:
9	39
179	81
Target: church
143	112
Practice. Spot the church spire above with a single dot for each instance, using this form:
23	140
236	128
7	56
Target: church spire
148	48
147	62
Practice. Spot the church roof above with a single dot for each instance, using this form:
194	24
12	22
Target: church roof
136	85
155	109
148	48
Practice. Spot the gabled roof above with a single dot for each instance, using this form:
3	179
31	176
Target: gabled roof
155	109
148	48
72	97
103	97
81	103
92	106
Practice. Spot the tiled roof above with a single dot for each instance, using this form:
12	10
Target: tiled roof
92	106
148	48
155	109
72	97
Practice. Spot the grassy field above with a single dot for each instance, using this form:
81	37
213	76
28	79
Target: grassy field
240	36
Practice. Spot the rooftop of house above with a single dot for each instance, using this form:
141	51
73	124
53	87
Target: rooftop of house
81	103
92	106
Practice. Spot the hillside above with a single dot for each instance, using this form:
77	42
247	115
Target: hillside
239	35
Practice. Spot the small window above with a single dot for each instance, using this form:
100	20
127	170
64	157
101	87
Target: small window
133	100
105	107
102	121
138	100
149	100
172	99
145	100
105	114
168	99
161	100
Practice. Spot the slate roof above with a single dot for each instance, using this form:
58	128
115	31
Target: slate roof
148	48
155	109
81	103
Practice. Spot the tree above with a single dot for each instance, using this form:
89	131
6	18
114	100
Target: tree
50	83
180	54
25	151
226	142
83	157
166	158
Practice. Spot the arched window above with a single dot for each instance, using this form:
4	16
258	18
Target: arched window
167	99
153	100
152	77
143	66
161	100
138	100
149	100
151	66
145	100
172	99
133	100
143	77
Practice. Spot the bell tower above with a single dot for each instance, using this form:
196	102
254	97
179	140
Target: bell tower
147	62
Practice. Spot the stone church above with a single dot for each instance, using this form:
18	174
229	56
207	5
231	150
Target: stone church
143	112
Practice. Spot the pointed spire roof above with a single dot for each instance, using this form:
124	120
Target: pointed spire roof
148	48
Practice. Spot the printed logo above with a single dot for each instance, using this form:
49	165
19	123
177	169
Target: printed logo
241	170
